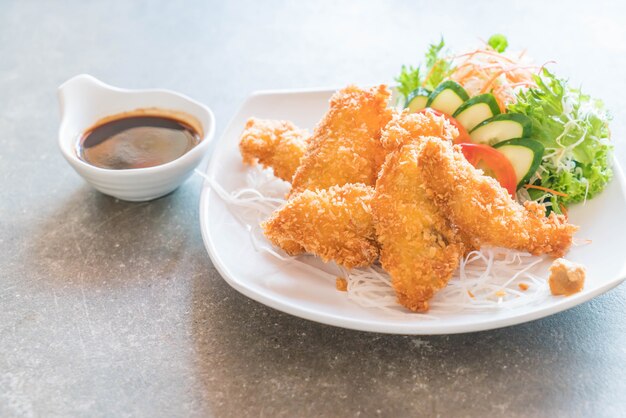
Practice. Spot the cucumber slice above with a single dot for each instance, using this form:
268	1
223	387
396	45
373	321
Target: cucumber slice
417	99
447	97
476	110
500	128
525	156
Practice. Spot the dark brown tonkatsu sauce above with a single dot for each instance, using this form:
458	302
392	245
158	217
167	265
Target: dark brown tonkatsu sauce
136	142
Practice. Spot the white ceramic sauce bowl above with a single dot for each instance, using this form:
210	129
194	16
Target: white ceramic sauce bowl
85	100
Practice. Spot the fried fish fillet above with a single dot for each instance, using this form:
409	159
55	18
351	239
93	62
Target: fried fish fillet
273	143
407	127
419	247
483	210
335	224
345	146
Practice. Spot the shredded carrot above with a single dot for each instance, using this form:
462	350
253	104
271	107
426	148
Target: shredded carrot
523	286
523	83
471	71
471	295
462	66
543	66
489	82
545	189
509	72
499	100
563	210
487	71
486	52
522	53
467	54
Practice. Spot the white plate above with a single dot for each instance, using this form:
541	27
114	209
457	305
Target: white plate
293	289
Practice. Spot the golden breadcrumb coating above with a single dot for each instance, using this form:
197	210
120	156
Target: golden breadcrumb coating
345	147
406	127
273	143
485	211
341	284
419	248
335	224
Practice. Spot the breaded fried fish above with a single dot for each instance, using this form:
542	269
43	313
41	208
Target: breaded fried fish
335	224
407	127
273	143
345	146
485	211
419	248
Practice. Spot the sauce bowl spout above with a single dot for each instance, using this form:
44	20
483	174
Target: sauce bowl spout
78	91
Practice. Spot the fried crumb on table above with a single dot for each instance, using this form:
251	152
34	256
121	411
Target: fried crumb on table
341	284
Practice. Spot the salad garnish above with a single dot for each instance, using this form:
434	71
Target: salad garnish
498	42
436	69
574	128
556	137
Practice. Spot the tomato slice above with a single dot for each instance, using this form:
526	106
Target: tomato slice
493	163
463	135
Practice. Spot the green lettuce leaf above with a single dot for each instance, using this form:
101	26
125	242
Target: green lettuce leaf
436	69
574	129
408	80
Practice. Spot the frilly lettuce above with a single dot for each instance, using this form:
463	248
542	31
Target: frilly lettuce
574	129
436	70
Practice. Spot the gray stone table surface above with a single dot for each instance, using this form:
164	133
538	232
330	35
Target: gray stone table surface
110	308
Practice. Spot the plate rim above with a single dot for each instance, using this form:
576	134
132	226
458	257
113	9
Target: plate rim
419	327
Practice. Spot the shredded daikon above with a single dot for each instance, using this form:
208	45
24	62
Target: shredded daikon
487	280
